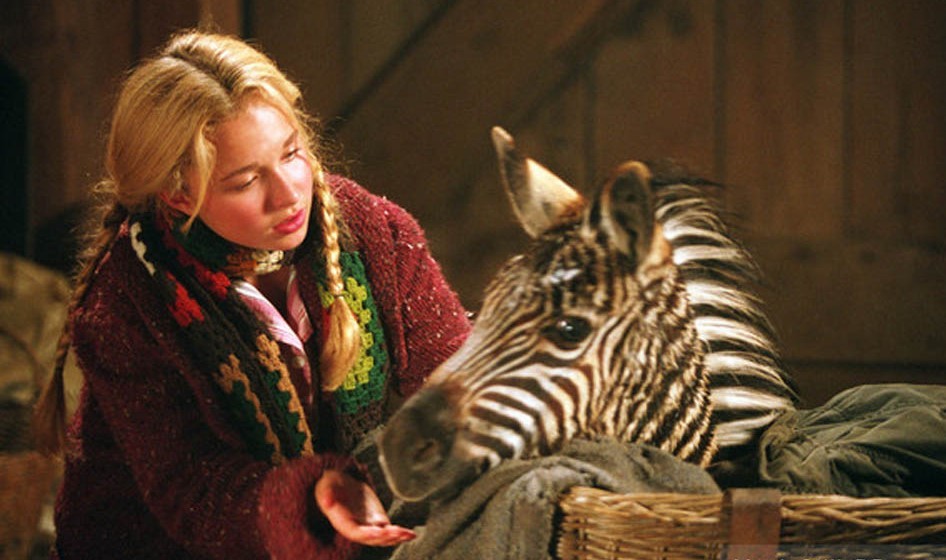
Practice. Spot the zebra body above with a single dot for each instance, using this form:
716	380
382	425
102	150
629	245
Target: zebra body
626	318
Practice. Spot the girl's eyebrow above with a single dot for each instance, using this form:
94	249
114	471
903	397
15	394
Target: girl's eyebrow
293	136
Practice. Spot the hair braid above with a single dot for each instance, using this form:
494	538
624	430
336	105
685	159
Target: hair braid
343	339
49	415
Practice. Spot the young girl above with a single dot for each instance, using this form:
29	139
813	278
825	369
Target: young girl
241	321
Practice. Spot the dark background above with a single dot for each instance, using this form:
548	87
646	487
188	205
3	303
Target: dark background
826	119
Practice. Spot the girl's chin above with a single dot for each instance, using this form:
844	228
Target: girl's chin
288	242
273	241
281	247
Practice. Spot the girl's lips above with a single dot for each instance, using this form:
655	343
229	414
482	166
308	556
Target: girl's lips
292	224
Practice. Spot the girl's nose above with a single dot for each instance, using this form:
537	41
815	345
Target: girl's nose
283	192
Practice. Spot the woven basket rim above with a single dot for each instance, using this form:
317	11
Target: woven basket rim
602	518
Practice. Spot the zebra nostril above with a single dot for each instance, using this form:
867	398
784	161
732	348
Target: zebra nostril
427	455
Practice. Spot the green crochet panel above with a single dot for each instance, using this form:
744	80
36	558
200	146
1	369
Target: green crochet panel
365	383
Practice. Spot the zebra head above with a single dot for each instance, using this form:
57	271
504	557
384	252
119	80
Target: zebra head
588	333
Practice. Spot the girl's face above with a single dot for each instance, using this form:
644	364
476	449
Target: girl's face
260	190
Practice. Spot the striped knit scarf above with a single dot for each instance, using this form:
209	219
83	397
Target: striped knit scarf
223	335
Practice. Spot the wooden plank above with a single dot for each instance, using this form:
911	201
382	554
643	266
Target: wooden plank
40	56
754	520
71	103
482	231
819	381
156	21
308	41
878	98
559	133
15	28
898	120
106	47
224	16
426	128
855	302
471	259
378	30
782	77
927	164
655	90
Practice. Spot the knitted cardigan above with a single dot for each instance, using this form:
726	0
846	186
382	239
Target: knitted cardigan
155	470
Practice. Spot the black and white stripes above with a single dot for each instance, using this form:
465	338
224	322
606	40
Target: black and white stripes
629	316
748	384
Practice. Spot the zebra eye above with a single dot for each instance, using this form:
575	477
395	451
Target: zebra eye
568	332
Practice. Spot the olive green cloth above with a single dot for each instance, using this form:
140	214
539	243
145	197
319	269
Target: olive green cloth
868	441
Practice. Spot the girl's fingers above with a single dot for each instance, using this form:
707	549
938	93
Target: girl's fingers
355	511
389	535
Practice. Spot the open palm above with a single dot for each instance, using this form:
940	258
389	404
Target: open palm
355	511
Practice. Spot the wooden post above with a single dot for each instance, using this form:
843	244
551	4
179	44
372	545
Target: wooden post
754	517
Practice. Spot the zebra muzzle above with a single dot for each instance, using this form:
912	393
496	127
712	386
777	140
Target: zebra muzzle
416	448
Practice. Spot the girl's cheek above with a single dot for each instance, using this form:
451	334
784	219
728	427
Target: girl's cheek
303	177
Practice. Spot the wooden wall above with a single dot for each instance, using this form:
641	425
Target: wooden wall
826	120
72	55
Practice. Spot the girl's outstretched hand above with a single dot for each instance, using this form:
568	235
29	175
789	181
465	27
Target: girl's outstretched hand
355	511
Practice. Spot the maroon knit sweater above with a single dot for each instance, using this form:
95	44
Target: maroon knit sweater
154	468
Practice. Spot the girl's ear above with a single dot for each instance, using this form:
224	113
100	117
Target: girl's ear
178	200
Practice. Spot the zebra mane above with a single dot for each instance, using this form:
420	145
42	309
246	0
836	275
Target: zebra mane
749	386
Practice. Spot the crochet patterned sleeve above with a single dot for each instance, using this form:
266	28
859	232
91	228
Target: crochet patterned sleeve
159	421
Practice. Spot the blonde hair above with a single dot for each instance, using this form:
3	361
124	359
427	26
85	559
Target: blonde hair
161	126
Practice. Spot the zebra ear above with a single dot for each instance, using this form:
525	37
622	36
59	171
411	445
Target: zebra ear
624	212
539	198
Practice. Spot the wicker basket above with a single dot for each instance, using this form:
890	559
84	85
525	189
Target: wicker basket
749	524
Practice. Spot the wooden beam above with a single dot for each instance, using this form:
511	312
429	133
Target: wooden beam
156	21
308	41
898	120
818	381
782	81
224	16
855	302
655	89
484	63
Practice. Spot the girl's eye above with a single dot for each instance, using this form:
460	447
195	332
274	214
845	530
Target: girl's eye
292	154
239	187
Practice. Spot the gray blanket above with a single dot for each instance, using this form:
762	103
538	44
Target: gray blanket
510	511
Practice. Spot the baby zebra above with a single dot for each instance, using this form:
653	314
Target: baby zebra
626	318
